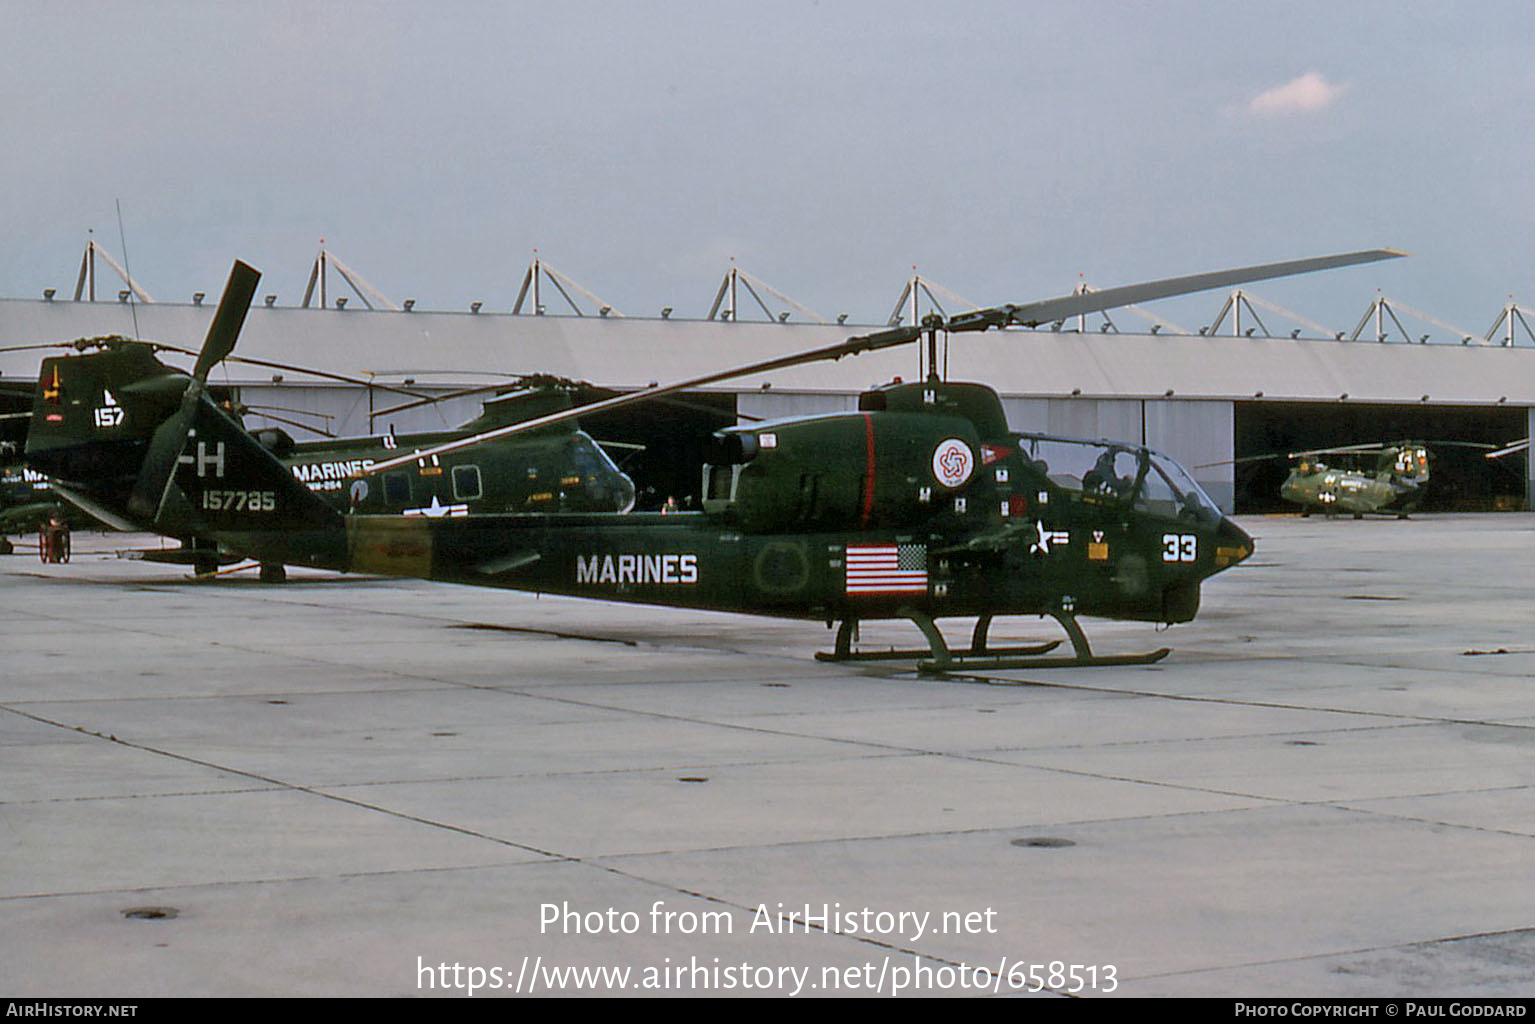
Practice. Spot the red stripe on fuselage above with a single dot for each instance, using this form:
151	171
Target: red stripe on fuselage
868	476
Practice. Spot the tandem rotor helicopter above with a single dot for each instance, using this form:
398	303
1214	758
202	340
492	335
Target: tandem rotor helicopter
1386	478
921	505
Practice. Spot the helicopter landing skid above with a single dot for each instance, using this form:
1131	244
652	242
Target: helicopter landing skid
943	661
938	659
978	649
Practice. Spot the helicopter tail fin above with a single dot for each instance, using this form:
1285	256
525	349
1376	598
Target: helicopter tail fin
227	485
95	411
1407	462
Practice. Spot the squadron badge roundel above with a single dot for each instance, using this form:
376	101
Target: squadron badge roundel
953	462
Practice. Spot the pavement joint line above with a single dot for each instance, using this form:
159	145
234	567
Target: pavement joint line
1345	806
1313	957
984	680
601	861
295	787
276	880
103	797
1036	826
268	695
1398	816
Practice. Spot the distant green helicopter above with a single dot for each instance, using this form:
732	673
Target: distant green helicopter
1394	484
1383	477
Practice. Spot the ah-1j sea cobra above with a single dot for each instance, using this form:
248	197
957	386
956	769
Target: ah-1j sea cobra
921	505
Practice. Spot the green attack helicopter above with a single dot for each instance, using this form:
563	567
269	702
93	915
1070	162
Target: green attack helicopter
921	505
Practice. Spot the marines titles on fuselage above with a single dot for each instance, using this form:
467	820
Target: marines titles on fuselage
636	570
330	476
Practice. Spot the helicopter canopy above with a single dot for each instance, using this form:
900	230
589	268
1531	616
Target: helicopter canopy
1112	471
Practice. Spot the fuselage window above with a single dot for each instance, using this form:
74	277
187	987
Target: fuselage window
466	483
396	489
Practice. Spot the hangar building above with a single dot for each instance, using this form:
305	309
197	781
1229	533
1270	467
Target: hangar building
1203	399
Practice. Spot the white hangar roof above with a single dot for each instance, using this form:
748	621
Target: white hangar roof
467	349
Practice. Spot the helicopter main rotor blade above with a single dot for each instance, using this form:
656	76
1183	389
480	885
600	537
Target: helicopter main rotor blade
1457	444
1377	446
307	371
465	392
292	423
1355	449
1348	449
44	345
297	412
512	381
1244	459
1032	314
852	346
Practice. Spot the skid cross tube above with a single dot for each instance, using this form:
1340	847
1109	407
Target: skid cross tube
848	629
1083	657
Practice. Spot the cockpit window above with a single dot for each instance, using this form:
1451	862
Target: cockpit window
1113	473
1099	470
608	488
1189	499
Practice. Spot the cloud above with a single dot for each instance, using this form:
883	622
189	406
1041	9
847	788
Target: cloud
1304	95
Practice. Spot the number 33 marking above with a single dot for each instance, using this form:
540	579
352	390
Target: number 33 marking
1179	547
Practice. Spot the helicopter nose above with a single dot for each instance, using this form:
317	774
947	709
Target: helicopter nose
1232	545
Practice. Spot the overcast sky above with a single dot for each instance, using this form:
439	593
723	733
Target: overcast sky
1004	148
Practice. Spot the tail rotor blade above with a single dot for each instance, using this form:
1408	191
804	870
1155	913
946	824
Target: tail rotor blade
233	305
170	438
159	466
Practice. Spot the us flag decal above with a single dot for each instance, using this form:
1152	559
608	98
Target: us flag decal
887	569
